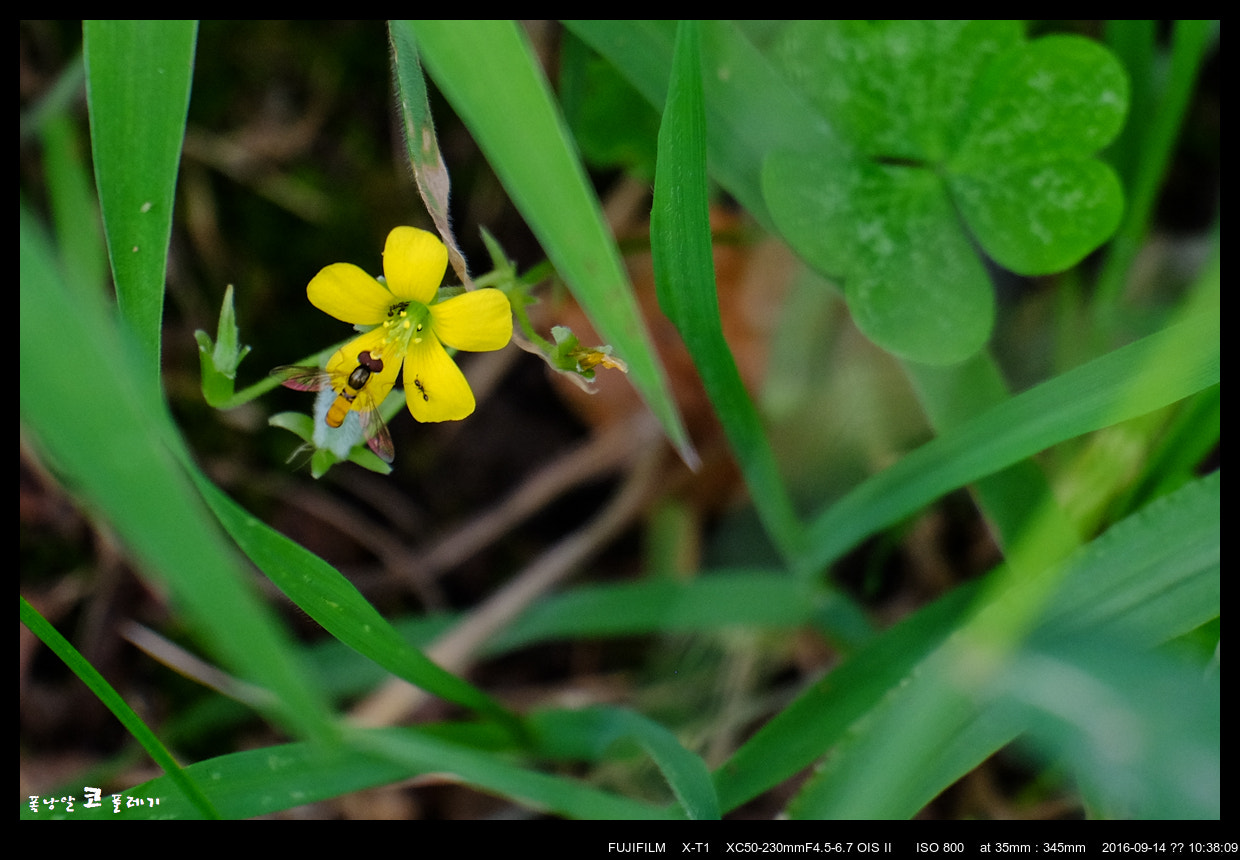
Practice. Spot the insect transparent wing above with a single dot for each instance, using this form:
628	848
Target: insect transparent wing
375	430
303	378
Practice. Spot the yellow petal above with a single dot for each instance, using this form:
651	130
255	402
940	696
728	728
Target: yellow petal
414	262
349	294
435	388
478	322
345	360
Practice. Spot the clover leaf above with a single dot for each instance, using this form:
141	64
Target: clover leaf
960	134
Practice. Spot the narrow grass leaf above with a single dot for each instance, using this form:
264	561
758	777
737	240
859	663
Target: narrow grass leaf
1012	497
751	110
112	700
708	602
1156	129
488	73
493	773
680	242
269	780
1158	572
592	731
1154	574
1138	732
117	447
75	209
818	717
1149	578
331	600
138	77
1133	380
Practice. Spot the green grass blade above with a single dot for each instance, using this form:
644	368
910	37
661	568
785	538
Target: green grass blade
264	781
709	601
75	209
1153	574
488	73
680	242
1135	45
105	693
116	445
1011	498
1133	380
590	732
804	730
137	89
1150	578
1160	127
750	109
712	600
331	600
495	774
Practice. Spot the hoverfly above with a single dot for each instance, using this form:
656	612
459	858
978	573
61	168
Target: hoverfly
353	389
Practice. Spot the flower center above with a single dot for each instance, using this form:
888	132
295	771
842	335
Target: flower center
407	321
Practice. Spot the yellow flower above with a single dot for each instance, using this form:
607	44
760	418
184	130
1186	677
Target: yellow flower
410	326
